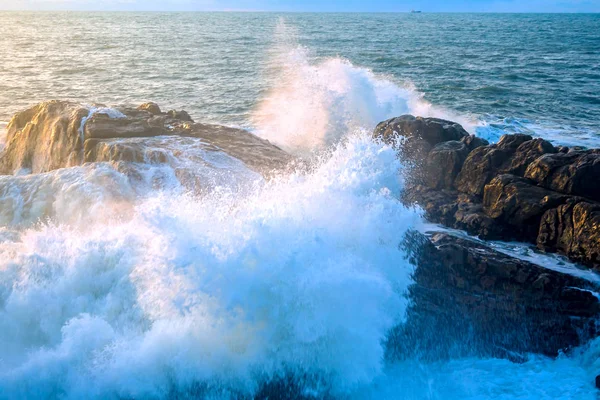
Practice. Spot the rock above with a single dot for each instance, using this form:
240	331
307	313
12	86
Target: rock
598	381
60	134
444	162
432	130
472	142
180	115
151	107
43	138
526	153
454	209
479	169
573	229
470	300
517	203
102	126
511	155
576	172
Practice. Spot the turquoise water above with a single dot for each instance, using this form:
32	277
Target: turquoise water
112	288
530	72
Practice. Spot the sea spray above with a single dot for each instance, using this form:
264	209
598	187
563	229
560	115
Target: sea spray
300	277
315	102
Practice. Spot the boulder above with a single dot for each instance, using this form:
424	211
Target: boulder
151	107
519	204
470	300
431	130
472	142
576	172
573	229
511	155
60	134
444	162
43	138
180	115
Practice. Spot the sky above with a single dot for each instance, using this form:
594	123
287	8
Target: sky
310	5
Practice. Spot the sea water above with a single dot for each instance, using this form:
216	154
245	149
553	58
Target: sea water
110	289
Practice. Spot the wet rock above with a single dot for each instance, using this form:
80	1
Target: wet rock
60	134
431	130
180	115
472	142
43	138
526	153
573	229
151	107
469	299
444	162
103	126
517	203
510	155
576	172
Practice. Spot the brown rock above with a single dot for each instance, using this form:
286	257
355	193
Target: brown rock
574	230
444	162
472	142
180	115
151	107
484	163
431	130
44	137
575	172
516	202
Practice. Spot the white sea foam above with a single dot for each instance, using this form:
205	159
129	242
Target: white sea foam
303	276
315	102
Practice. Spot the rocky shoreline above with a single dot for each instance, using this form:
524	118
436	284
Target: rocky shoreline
467	298
520	188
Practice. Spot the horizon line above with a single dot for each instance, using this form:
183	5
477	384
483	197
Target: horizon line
295	11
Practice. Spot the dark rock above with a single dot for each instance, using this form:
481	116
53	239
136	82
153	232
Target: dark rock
469	299
444	162
526	153
519	204
472	142
576	173
573	229
180	115
512	154
151	107
431	130
479	169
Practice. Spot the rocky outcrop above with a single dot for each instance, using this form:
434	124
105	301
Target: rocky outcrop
58	134
576	173
520	188
45	137
469	299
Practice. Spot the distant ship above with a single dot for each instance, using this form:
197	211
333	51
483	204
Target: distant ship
415	11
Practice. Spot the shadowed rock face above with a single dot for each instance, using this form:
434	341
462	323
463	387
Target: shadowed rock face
519	188
469	299
58	134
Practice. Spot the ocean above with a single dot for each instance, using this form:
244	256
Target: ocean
113	291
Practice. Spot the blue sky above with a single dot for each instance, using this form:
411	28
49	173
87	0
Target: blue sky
311	5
